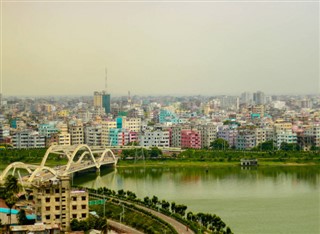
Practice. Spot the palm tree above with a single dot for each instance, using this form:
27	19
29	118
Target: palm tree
11	184
10	201
12	188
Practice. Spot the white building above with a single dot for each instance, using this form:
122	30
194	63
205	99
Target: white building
26	139
155	138
92	135
286	136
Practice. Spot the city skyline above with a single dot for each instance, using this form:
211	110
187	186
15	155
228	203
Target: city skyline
159	48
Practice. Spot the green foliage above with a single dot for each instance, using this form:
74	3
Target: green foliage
23	155
136	218
114	209
219	144
92	222
165	205
11	184
289	146
22	217
265	146
155	152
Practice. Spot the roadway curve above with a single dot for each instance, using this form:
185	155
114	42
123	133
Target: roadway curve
179	227
121	228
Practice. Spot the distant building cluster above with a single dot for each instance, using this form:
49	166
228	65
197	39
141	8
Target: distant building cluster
244	121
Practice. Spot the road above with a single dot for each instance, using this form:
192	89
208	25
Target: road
121	228
179	227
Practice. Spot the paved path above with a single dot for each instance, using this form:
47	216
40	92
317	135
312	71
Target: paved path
179	227
121	228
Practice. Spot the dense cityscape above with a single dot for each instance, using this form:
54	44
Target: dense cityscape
209	124
188	122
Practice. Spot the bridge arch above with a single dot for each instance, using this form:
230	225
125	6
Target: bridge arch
76	151
39	169
104	153
16	165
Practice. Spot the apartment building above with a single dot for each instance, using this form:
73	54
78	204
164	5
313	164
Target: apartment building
286	136
157	138
47	130
26	139
93	135
260	135
56	203
313	132
63	135
246	138
106	126
76	131
208	133
228	134
190	139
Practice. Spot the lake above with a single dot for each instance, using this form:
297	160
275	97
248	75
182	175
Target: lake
263	200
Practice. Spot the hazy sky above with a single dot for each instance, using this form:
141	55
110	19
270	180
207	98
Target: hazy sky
62	48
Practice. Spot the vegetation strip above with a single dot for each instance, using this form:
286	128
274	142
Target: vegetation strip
199	222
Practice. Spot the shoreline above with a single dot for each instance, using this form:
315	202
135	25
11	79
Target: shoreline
183	163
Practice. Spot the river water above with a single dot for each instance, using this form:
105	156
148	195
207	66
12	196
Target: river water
266	200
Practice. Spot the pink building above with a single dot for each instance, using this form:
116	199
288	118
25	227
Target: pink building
190	139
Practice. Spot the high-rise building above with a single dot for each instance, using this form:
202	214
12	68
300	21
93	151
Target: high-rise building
102	100
259	98
106	100
246	98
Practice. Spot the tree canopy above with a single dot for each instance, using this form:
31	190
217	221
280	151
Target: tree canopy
219	144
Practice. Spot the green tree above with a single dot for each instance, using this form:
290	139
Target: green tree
289	146
74	224
10	201
155	152
266	146
147	201
121	193
11	184
219	144
155	200
165	205
22	217
173	207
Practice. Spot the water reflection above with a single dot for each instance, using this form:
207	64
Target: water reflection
309	174
279	199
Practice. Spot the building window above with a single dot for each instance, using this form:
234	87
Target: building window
47	199
57	216
74	216
57	207
74	198
83	215
47	208
83	206
57	190
83	198
57	199
47	191
47	217
74	207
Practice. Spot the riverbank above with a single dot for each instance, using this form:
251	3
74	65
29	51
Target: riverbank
191	163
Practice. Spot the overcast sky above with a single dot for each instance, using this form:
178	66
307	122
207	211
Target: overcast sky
152	48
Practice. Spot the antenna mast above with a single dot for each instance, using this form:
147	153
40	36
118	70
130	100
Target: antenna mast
106	82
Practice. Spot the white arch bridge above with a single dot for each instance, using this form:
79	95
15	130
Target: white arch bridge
80	158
